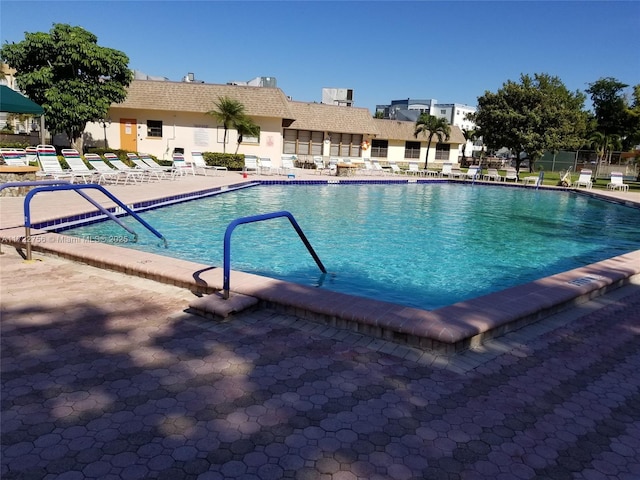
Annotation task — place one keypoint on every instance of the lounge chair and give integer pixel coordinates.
(104, 172)
(15, 157)
(32, 155)
(77, 166)
(129, 173)
(533, 180)
(492, 174)
(472, 173)
(50, 165)
(456, 172)
(446, 170)
(366, 169)
(156, 171)
(431, 173)
(251, 164)
(511, 174)
(180, 166)
(266, 166)
(377, 168)
(319, 163)
(148, 159)
(395, 169)
(200, 165)
(584, 179)
(617, 182)
(287, 166)
(414, 170)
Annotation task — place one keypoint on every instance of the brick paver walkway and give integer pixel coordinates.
(104, 376)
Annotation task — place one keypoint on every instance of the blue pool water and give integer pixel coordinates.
(421, 245)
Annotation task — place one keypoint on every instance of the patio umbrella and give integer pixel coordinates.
(14, 102)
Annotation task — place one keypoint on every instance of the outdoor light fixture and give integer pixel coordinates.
(105, 123)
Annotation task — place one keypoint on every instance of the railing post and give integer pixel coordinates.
(226, 272)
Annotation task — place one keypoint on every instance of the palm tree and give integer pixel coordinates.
(246, 127)
(229, 112)
(429, 126)
(603, 144)
(469, 135)
(599, 143)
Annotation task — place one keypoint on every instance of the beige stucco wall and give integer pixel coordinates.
(395, 153)
(193, 132)
(200, 132)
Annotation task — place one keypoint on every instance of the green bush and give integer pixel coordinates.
(14, 145)
(230, 160)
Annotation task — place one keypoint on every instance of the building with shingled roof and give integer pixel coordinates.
(160, 117)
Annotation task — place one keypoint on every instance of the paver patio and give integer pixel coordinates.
(106, 376)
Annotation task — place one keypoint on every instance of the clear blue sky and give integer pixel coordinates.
(451, 51)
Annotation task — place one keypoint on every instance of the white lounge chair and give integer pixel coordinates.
(287, 166)
(395, 169)
(446, 170)
(617, 182)
(148, 159)
(366, 169)
(181, 167)
(511, 174)
(200, 165)
(251, 164)
(492, 174)
(377, 168)
(15, 157)
(414, 170)
(78, 167)
(148, 170)
(585, 178)
(104, 172)
(266, 166)
(472, 173)
(50, 165)
(320, 167)
(129, 173)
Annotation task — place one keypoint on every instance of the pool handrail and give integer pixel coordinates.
(258, 218)
(78, 189)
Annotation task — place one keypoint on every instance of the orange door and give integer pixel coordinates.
(128, 134)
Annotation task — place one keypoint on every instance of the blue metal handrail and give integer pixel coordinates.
(259, 218)
(540, 179)
(78, 189)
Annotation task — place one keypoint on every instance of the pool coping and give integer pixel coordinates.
(444, 330)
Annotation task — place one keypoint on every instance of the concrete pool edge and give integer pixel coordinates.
(445, 330)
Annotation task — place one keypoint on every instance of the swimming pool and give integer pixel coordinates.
(421, 245)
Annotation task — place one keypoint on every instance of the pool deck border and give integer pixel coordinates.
(446, 330)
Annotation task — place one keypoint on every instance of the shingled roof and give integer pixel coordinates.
(332, 118)
(202, 97)
(399, 130)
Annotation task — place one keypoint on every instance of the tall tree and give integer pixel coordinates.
(533, 115)
(230, 113)
(431, 126)
(610, 107)
(73, 78)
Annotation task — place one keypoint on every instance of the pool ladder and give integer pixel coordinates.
(260, 218)
(57, 185)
